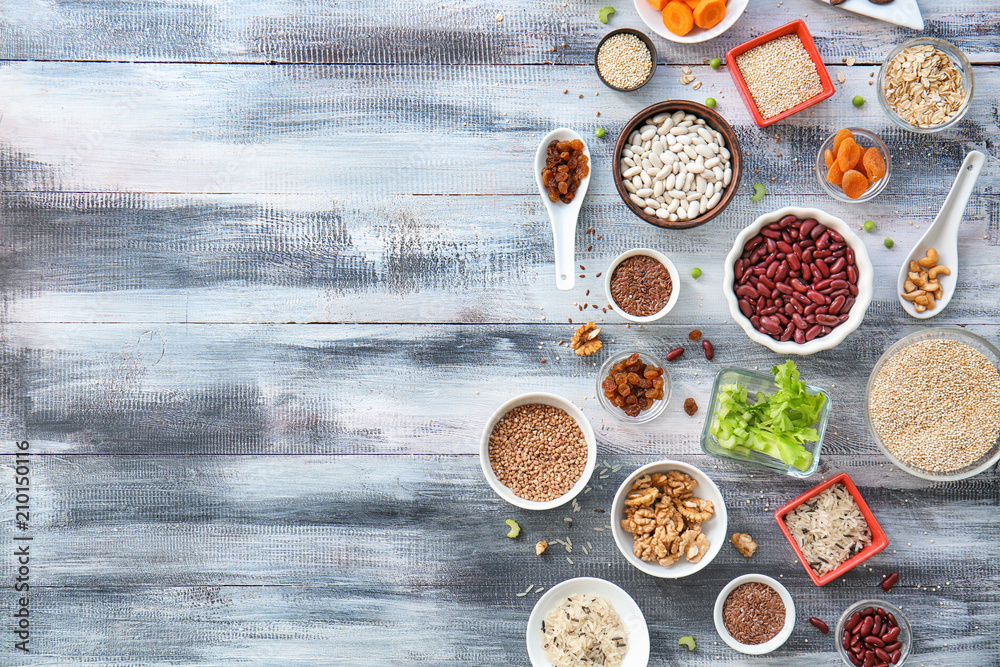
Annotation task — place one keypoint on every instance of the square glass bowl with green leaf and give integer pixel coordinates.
(775, 422)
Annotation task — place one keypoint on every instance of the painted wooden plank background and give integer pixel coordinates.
(267, 268)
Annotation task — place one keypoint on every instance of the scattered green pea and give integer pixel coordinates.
(758, 192)
(515, 529)
(858, 100)
(599, 132)
(710, 103)
(869, 225)
(715, 63)
(888, 242)
(687, 641)
(696, 273)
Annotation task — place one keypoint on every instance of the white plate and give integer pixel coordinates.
(901, 12)
(654, 20)
(638, 634)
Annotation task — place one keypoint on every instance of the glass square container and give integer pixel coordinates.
(755, 382)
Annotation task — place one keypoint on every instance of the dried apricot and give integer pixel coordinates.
(829, 157)
(839, 138)
(849, 154)
(874, 164)
(854, 183)
(835, 175)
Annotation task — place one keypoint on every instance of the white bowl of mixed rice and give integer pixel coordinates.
(578, 612)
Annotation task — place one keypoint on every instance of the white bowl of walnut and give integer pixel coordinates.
(538, 451)
(678, 514)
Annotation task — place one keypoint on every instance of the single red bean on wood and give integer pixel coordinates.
(890, 581)
(709, 350)
(819, 624)
(674, 353)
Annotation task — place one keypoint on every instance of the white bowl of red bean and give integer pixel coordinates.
(536, 452)
(643, 289)
(875, 627)
(798, 280)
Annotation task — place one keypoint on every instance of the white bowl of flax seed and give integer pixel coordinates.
(760, 616)
(642, 285)
(538, 451)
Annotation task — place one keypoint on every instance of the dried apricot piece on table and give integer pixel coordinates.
(874, 164)
(829, 157)
(849, 154)
(835, 175)
(839, 138)
(854, 183)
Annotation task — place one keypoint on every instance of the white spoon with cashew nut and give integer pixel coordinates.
(563, 216)
(938, 248)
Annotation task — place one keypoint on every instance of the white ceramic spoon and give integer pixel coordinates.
(563, 216)
(943, 236)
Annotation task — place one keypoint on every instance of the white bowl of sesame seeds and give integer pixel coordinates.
(538, 451)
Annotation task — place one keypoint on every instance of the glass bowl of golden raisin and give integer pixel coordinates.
(633, 386)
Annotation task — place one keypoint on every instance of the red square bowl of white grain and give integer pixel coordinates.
(774, 78)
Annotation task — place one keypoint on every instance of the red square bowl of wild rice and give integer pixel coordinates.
(831, 529)
(779, 73)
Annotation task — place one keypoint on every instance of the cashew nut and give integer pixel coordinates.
(919, 308)
(930, 301)
(912, 296)
(922, 299)
(940, 268)
(930, 260)
(939, 294)
(909, 286)
(931, 286)
(915, 278)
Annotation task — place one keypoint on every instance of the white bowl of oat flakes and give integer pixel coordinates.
(538, 451)
(669, 519)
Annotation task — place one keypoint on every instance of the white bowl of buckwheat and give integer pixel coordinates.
(669, 519)
(538, 451)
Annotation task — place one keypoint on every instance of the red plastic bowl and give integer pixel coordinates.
(798, 27)
(879, 540)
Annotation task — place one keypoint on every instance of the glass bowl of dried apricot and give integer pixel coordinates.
(853, 165)
(633, 386)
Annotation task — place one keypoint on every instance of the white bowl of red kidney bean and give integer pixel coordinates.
(875, 628)
(798, 280)
(642, 285)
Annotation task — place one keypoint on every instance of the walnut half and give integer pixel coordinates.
(744, 544)
(585, 340)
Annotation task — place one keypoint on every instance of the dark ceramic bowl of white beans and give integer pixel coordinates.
(728, 144)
